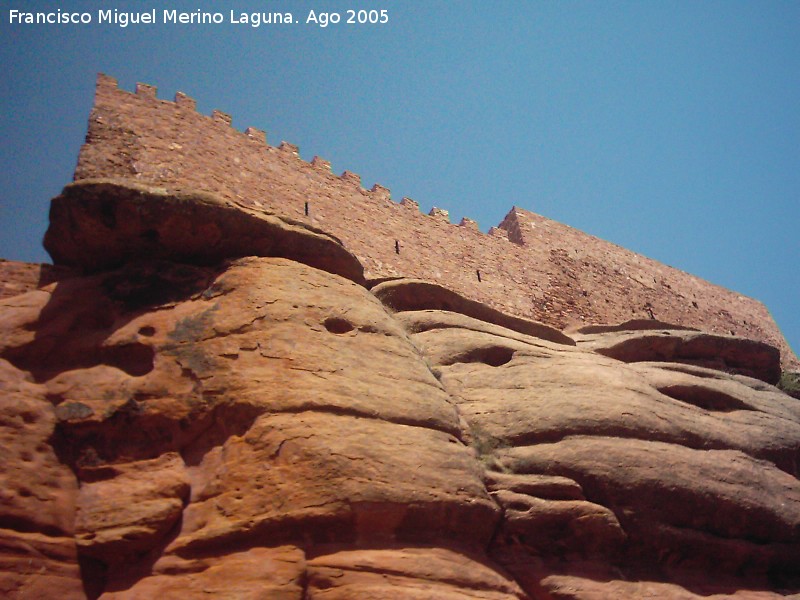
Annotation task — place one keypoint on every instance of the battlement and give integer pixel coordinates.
(527, 265)
(108, 87)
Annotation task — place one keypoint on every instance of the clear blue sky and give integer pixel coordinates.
(670, 128)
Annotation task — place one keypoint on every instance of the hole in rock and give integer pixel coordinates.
(338, 325)
(45, 361)
(151, 235)
(147, 331)
(493, 356)
(134, 359)
(704, 397)
(108, 215)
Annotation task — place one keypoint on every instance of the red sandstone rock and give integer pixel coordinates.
(264, 425)
(713, 509)
(632, 325)
(206, 408)
(541, 486)
(98, 224)
(560, 527)
(662, 464)
(408, 573)
(726, 353)
(18, 277)
(268, 573)
(38, 554)
(37, 565)
(412, 294)
(154, 491)
(589, 582)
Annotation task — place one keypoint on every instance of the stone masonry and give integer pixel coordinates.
(528, 266)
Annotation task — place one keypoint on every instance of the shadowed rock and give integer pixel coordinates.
(724, 352)
(414, 294)
(632, 325)
(100, 224)
(19, 277)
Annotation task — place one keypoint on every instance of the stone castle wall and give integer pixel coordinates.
(529, 265)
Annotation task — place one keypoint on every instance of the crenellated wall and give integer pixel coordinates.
(528, 265)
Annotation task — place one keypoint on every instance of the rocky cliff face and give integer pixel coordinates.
(207, 401)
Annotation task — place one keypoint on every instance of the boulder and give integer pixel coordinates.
(98, 224)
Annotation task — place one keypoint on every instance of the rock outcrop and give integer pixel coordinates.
(413, 294)
(636, 342)
(671, 460)
(246, 419)
(101, 224)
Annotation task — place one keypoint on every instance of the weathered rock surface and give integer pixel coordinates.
(408, 573)
(673, 344)
(250, 406)
(38, 553)
(587, 581)
(255, 573)
(18, 277)
(643, 467)
(155, 492)
(99, 224)
(198, 423)
(415, 294)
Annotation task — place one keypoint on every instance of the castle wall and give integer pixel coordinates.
(529, 265)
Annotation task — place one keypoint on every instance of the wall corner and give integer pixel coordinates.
(511, 224)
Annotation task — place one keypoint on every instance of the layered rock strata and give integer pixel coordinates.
(248, 420)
